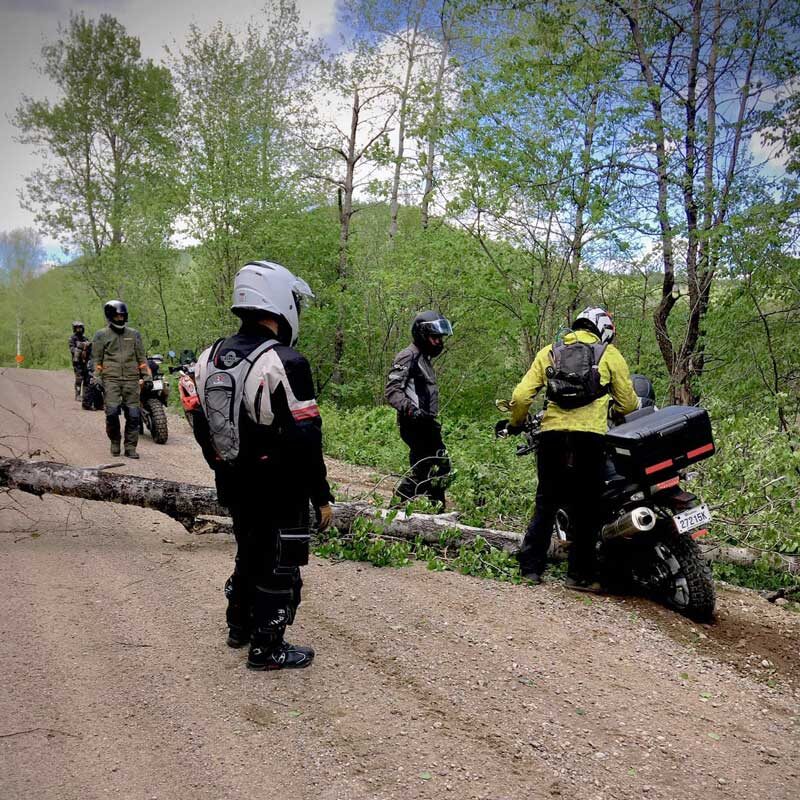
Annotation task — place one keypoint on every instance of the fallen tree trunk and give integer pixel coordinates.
(197, 509)
(181, 501)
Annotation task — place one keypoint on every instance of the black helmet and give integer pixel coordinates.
(187, 357)
(430, 323)
(644, 389)
(78, 324)
(111, 309)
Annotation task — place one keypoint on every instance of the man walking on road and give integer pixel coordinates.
(120, 367)
(78, 343)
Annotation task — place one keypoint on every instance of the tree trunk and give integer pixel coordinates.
(345, 216)
(191, 505)
(435, 123)
(181, 501)
(394, 201)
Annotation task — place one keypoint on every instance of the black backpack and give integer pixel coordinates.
(573, 380)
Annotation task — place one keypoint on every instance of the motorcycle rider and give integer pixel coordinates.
(77, 344)
(412, 390)
(571, 454)
(120, 369)
(260, 430)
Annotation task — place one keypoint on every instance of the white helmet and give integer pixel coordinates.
(597, 321)
(269, 287)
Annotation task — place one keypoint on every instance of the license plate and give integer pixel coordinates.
(158, 386)
(693, 518)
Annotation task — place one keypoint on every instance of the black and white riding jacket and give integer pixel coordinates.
(280, 421)
(412, 383)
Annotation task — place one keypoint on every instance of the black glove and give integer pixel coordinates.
(504, 428)
(419, 414)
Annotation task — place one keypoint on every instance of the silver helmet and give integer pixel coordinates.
(264, 286)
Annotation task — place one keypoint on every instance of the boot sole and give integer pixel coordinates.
(277, 667)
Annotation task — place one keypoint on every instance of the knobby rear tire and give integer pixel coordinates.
(158, 416)
(702, 598)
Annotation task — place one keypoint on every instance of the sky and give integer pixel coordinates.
(26, 25)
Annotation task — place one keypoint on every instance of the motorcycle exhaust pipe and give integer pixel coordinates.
(640, 520)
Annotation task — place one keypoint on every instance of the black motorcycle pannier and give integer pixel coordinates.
(661, 443)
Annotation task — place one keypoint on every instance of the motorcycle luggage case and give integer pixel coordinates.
(661, 443)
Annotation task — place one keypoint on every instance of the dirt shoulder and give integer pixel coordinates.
(117, 680)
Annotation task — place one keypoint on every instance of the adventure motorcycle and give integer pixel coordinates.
(153, 398)
(187, 390)
(648, 524)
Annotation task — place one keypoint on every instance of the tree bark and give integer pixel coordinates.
(192, 506)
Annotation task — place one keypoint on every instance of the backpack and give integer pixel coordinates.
(573, 380)
(221, 396)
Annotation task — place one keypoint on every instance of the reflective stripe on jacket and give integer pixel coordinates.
(592, 418)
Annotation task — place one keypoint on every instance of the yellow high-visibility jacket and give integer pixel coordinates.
(592, 418)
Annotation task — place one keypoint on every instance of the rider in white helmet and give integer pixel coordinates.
(261, 432)
(583, 376)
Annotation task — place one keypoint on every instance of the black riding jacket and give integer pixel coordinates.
(281, 428)
(412, 383)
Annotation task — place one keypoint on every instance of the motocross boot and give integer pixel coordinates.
(282, 656)
(132, 433)
(116, 448)
(237, 615)
(269, 650)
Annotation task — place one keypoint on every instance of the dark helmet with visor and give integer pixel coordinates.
(78, 326)
(114, 308)
(430, 324)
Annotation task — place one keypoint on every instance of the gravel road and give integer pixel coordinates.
(116, 681)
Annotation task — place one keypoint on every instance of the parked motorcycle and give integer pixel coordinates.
(187, 390)
(648, 524)
(153, 397)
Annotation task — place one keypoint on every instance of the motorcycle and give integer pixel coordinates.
(154, 396)
(187, 390)
(649, 525)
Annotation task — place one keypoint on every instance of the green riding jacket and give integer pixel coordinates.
(119, 356)
(591, 418)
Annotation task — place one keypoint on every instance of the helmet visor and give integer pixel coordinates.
(436, 327)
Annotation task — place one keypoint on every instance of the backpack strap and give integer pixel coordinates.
(255, 354)
(599, 349)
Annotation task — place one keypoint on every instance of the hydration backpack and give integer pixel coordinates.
(221, 396)
(573, 380)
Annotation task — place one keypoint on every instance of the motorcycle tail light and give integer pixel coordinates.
(667, 484)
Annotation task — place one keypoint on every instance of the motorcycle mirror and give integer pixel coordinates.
(171, 353)
(154, 343)
(502, 405)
